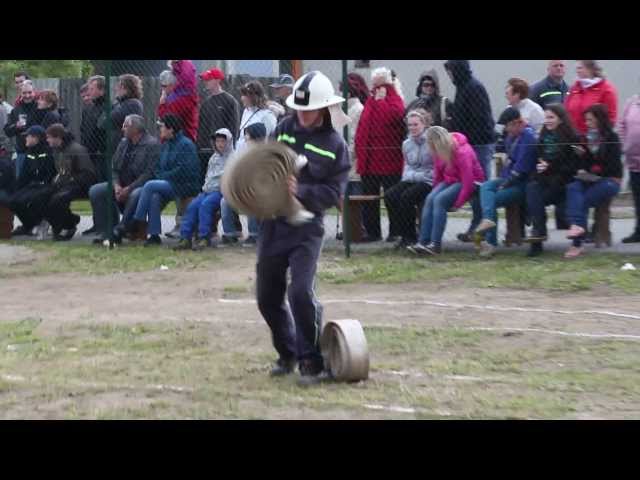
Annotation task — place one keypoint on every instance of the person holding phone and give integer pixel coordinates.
(560, 156)
(599, 181)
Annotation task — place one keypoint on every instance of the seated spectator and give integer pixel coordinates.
(47, 113)
(75, 174)
(202, 208)
(256, 132)
(177, 175)
(7, 181)
(417, 177)
(128, 102)
(510, 188)
(134, 162)
(378, 145)
(429, 97)
(517, 94)
(557, 164)
(456, 173)
(599, 181)
(33, 186)
(629, 130)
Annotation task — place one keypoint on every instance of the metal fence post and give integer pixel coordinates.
(346, 230)
(109, 150)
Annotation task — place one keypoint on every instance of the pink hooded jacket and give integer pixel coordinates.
(464, 168)
(629, 131)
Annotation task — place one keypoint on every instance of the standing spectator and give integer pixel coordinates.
(629, 130)
(177, 176)
(600, 179)
(47, 113)
(128, 102)
(357, 96)
(517, 93)
(76, 173)
(33, 185)
(558, 163)
(455, 176)
(417, 177)
(429, 97)
(180, 96)
(5, 110)
(378, 145)
(219, 110)
(590, 88)
(21, 118)
(92, 135)
(471, 115)
(553, 88)
(133, 165)
(510, 188)
(282, 88)
(19, 79)
(202, 208)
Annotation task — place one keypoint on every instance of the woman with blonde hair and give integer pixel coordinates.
(456, 175)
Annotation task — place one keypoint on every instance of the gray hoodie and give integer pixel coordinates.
(216, 164)
(418, 164)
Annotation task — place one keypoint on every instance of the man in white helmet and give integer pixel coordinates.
(310, 132)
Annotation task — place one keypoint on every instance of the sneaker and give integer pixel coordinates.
(283, 367)
(153, 240)
(250, 241)
(485, 225)
(183, 244)
(418, 249)
(576, 231)
(65, 234)
(21, 230)
(229, 240)
(403, 243)
(633, 238)
(433, 249)
(98, 240)
(465, 237)
(90, 231)
(202, 244)
(175, 233)
(487, 250)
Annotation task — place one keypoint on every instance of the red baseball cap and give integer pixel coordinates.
(212, 74)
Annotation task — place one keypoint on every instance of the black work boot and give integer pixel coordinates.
(283, 367)
(312, 372)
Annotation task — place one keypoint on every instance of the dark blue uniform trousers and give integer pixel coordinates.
(280, 248)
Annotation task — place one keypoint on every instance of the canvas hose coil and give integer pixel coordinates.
(255, 183)
(345, 351)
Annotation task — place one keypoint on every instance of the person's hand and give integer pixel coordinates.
(292, 183)
(542, 166)
(579, 149)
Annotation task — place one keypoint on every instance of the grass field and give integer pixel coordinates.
(427, 363)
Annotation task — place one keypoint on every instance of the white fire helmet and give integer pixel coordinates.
(313, 91)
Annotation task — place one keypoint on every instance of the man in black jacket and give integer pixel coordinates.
(20, 119)
(76, 173)
(552, 88)
(92, 136)
(133, 164)
(471, 115)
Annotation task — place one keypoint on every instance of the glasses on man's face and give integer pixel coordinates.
(428, 85)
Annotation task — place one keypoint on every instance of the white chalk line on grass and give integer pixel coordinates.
(487, 307)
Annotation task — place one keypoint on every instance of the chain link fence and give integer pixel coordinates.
(141, 175)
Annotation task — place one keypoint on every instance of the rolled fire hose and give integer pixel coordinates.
(345, 351)
(255, 183)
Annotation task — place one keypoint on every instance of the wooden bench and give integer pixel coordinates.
(514, 225)
(355, 227)
(602, 234)
(6, 222)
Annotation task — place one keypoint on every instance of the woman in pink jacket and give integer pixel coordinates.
(456, 175)
(629, 131)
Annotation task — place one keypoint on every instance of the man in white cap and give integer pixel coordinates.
(282, 88)
(311, 133)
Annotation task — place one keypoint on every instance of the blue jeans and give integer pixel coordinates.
(228, 215)
(201, 210)
(539, 195)
(154, 197)
(434, 212)
(581, 196)
(485, 157)
(491, 198)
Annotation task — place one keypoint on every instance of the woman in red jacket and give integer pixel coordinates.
(378, 145)
(590, 88)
